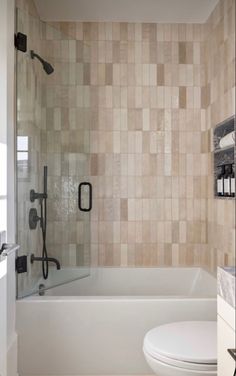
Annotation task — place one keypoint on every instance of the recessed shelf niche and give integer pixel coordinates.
(224, 156)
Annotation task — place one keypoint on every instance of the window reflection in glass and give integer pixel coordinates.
(3, 187)
(23, 157)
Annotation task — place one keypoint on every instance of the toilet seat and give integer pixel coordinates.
(182, 365)
(164, 369)
(190, 345)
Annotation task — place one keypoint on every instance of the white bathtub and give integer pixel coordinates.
(96, 325)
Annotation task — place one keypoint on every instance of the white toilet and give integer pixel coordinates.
(186, 348)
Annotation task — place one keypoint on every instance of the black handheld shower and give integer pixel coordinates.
(46, 66)
(34, 218)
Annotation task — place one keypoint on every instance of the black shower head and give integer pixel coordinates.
(46, 66)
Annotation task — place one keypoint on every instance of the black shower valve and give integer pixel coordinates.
(33, 218)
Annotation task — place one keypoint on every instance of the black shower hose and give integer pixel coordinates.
(43, 206)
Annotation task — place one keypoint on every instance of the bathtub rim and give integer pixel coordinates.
(101, 298)
(95, 271)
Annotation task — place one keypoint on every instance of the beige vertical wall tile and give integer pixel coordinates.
(140, 101)
(160, 75)
(215, 98)
(182, 97)
(182, 53)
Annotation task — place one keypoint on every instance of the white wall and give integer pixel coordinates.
(3, 113)
(3, 318)
(11, 314)
(7, 11)
(3, 70)
(11, 213)
(3, 141)
(8, 336)
(8, 340)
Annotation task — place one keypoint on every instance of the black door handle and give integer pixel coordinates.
(89, 185)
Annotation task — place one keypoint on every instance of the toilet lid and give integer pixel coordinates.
(188, 341)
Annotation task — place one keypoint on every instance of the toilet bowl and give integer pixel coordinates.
(182, 349)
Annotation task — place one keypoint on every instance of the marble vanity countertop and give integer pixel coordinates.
(3, 266)
(226, 278)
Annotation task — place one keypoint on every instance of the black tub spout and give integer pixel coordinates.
(48, 259)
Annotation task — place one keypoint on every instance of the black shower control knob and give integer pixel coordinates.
(33, 218)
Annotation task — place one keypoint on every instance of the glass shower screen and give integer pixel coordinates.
(52, 135)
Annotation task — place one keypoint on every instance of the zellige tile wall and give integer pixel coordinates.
(128, 98)
(131, 108)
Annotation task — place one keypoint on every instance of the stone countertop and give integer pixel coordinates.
(3, 266)
(226, 277)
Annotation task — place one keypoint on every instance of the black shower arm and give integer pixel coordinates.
(33, 55)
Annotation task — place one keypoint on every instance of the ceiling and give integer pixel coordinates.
(163, 11)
